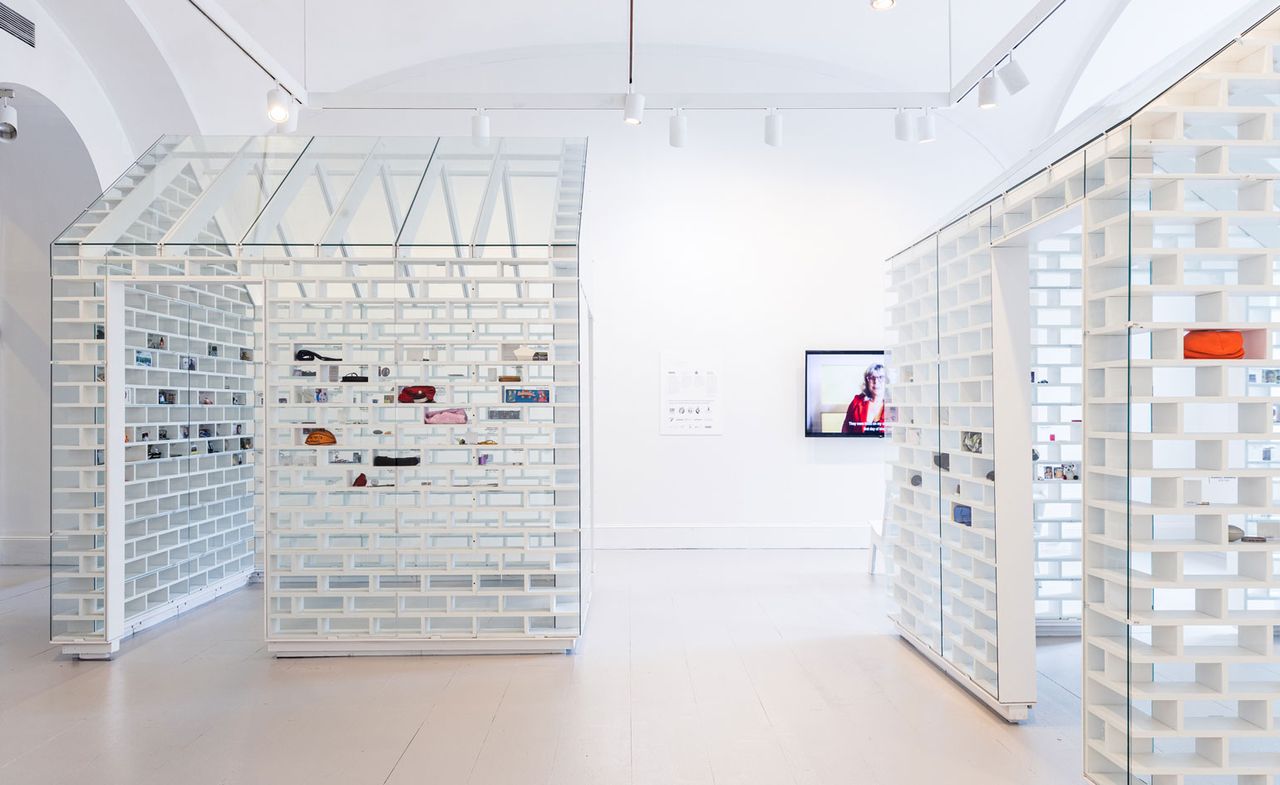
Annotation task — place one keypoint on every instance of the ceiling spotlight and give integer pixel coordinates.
(277, 105)
(882, 5)
(289, 126)
(926, 127)
(633, 113)
(678, 130)
(8, 118)
(988, 92)
(773, 128)
(1013, 77)
(480, 128)
(903, 129)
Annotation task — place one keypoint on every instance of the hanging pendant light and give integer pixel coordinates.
(988, 92)
(633, 108)
(480, 128)
(773, 128)
(1013, 77)
(903, 129)
(277, 105)
(926, 127)
(678, 129)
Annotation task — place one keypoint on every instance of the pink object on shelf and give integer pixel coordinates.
(445, 417)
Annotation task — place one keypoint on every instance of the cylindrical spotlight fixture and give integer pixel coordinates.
(633, 108)
(1013, 77)
(926, 127)
(278, 109)
(903, 129)
(289, 126)
(8, 121)
(773, 128)
(480, 128)
(988, 92)
(678, 129)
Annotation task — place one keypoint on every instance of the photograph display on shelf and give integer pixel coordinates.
(847, 393)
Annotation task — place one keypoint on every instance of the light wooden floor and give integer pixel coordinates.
(718, 667)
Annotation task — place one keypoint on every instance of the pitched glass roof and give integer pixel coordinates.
(231, 195)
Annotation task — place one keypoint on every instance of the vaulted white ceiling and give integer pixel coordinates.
(359, 51)
(813, 44)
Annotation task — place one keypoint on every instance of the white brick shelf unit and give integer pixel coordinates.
(1167, 224)
(1182, 672)
(414, 261)
(1058, 430)
(961, 540)
(187, 496)
(913, 525)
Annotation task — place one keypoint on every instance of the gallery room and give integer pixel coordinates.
(836, 391)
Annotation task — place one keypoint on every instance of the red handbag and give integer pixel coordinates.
(426, 394)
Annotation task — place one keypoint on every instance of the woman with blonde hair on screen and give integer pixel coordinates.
(866, 411)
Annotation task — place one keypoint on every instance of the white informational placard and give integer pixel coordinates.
(690, 400)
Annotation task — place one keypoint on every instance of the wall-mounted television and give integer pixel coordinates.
(846, 393)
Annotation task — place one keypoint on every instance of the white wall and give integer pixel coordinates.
(753, 255)
(750, 253)
(55, 69)
(85, 111)
(46, 178)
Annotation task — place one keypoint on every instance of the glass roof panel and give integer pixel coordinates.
(345, 192)
(340, 196)
(305, 202)
(144, 205)
(231, 202)
(508, 193)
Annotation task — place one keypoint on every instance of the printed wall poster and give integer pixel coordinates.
(690, 401)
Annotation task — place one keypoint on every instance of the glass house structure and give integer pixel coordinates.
(364, 354)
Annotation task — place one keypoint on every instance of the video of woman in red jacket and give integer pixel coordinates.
(846, 393)
(866, 412)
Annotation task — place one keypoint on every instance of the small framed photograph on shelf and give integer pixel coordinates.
(155, 341)
(167, 397)
(246, 354)
(971, 441)
(145, 359)
(213, 350)
(186, 363)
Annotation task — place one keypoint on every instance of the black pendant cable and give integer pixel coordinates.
(633, 103)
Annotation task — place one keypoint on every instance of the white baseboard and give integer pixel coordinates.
(24, 550)
(686, 536)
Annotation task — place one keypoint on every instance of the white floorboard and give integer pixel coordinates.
(716, 667)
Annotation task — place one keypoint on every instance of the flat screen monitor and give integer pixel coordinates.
(846, 393)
